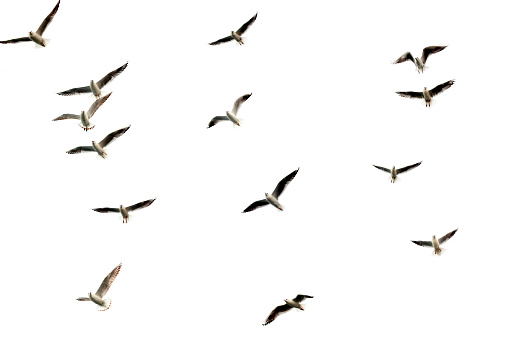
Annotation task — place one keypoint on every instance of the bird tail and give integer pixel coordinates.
(439, 253)
(104, 308)
(46, 42)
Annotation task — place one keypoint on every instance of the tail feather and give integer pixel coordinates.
(104, 308)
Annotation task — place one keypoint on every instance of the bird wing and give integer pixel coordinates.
(447, 237)
(95, 106)
(412, 95)
(245, 26)
(81, 149)
(67, 116)
(440, 88)
(301, 297)
(405, 57)
(107, 210)
(217, 119)
(423, 243)
(426, 52)
(112, 136)
(256, 205)
(15, 41)
(238, 102)
(83, 299)
(48, 19)
(407, 168)
(277, 311)
(283, 183)
(383, 168)
(77, 90)
(140, 205)
(223, 40)
(111, 75)
(105, 286)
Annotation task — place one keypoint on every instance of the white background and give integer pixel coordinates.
(323, 100)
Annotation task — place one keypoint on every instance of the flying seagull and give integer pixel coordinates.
(95, 87)
(427, 95)
(435, 243)
(84, 117)
(233, 115)
(97, 298)
(37, 36)
(290, 303)
(420, 63)
(272, 198)
(394, 172)
(125, 210)
(99, 147)
(236, 35)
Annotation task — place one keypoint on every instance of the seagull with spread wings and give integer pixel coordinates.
(37, 36)
(289, 304)
(427, 95)
(85, 117)
(233, 115)
(99, 147)
(125, 210)
(236, 35)
(420, 63)
(273, 198)
(95, 87)
(394, 172)
(97, 298)
(435, 243)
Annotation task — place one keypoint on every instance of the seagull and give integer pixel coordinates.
(84, 117)
(99, 147)
(427, 95)
(290, 303)
(233, 115)
(272, 198)
(394, 172)
(236, 35)
(125, 210)
(95, 87)
(420, 63)
(435, 243)
(37, 36)
(97, 298)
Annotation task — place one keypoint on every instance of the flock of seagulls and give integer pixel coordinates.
(270, 199)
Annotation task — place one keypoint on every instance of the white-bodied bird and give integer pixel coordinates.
(420, 63)
(97, 298)
(427, 95)
(233, 115)
(85, 117)
(435, 243)
(289, 304)
(99, 147)
(236, 35)
(125, 210)
(394, 172)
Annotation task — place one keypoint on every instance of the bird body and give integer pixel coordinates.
(273, 201)
(95, 89)
(38, 39)
(125, 214)
(233, 118)
(237, 38)
(85, 121)
(99, 149)
(294, 304)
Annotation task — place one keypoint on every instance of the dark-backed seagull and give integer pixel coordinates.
(236, 35)
(85, 117)
(233, 115)
(97, 298)
(435, 243)
(420, 63)
(99, 147)
(95, 87)
(37, 36)
(290, 303)
(273, 198)
(427, 95)
(125, 210)
(394, 172)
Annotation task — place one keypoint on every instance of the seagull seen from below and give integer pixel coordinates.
(37, 36)
(233, 115)
(125, 210)
(427, 95)
(273, 198)
(435, 243)
(237, 36)
(85, 117)
(99, 147)
(394, 172)
(97, 298)
(95, 87)
(289, 304)
(420, 63)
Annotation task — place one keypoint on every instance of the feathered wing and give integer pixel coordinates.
(48, 19)
(447, 237)
(111, 75)
(81, 149)
(221, 41)
(217, 119)
(67, 116)
(95, 106)
(283, 183)
(276, 312)
(140, 205)
(426, 52)
(383, 169)
(15, 41)
(301, 297)
(440, 88)
(405, 57)
(83, 299)
(106, 284)
(77, 90)
(407, 168)
(112, 136)
(238, 102)
(256, 205)
(245, 26)
(107, 210)
(412, 95)
(423, 243)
